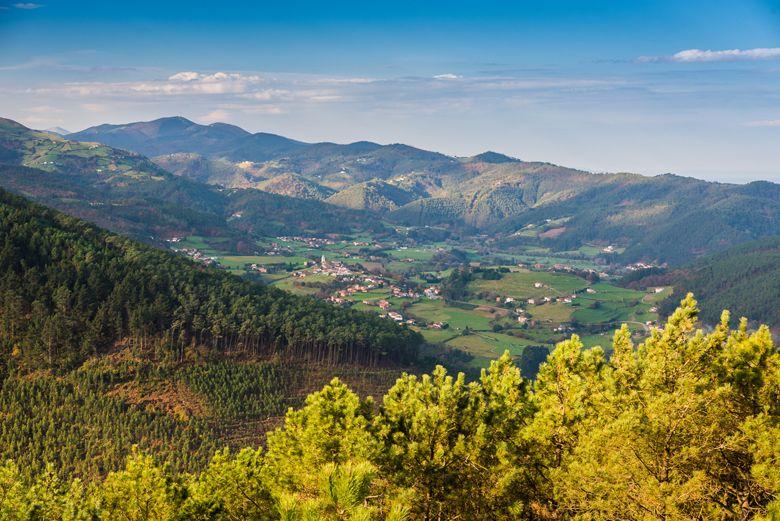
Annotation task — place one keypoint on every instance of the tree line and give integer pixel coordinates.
(685, 425)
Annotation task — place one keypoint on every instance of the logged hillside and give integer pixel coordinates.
(744, 279)
(108, 343)
(71, 290)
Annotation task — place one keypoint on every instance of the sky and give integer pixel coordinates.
(689, 87)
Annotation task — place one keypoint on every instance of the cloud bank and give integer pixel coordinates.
(763, 123)
(729, 55)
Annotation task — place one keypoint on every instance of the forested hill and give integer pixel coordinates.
(744, 279)
(69, 289)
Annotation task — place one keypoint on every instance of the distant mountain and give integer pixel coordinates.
(329, 164)
(372, 195)
(260, 147)
(164, 136)
(58, 130)
(494, 157)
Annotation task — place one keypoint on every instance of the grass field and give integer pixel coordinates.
(520, 284)
(196, 242)
(238, 261)
(438, 336)
(554, 312)
(458, 319)
(418, 254)
(485, 347)
(288, 283)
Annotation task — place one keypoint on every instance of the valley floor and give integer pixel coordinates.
(522, 301)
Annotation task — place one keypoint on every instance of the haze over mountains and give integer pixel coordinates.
(665, 218)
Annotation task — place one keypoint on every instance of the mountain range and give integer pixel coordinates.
(665, 218)
(220, 180)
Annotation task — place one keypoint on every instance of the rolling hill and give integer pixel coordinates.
(293, 185)
(215, 171)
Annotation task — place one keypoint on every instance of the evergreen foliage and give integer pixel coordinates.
(683, 426)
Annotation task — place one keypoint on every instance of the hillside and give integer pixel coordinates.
(293, 185)
(110, 343)
(744, 279)
(663, 219)
(215, 171)
(150, 293)
(378, 196)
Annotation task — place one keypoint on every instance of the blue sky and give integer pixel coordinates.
(690, 87)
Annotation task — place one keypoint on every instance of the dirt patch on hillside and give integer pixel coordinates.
(173, 398)
(552, 233)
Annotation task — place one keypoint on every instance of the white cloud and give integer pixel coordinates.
(253, 109)
(763, 123)
(215, 116)
(27, 5)
(184, 76)
(181, 83)
(268, 94)
(698, 55)
(237, 94)
(342, 81)
(448, 76)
